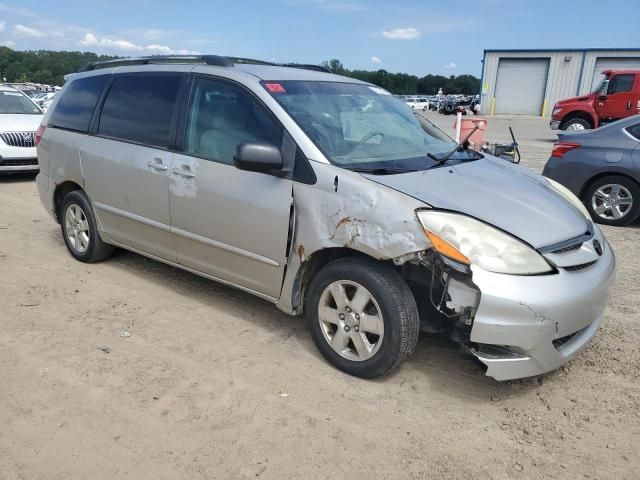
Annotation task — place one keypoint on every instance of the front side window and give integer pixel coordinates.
(621, 83)
(140, 108)
(17, 103)
(360, 126)
(75, 108)
(223, 115)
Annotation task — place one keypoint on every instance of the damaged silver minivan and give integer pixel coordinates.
(330, 198)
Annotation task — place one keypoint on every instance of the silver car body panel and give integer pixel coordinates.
(244, 243)
(244, 237)
(510, 197)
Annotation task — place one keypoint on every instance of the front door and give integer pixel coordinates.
(126, 166)
(228, 223)
(620, 101)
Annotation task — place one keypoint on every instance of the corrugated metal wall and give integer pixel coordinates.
(566, 78)
(590, 63)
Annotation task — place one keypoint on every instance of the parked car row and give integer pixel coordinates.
(44, 99)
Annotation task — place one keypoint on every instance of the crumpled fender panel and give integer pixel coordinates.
(344, 209)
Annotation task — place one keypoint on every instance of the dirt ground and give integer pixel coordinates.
(212, 383)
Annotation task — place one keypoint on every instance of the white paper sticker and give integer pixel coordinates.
(13, 94)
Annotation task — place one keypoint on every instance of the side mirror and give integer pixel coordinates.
(258, 157)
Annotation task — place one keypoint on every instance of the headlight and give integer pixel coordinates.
(569, 197)
(556, 110)
(470, 241)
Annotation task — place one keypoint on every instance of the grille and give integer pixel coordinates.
(18, 139)
(575, 268)
(18, 162)
(570, 248)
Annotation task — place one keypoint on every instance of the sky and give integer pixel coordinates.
(412, 36)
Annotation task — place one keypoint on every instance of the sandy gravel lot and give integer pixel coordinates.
(215, 384)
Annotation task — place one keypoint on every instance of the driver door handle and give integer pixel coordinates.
(183, 173)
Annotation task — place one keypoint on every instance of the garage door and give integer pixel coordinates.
(604, 63)
(521, 85)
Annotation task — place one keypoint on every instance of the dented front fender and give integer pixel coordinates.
(343, 209)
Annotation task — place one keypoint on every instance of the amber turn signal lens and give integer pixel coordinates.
(445, 248)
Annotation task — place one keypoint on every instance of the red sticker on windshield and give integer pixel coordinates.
(275, 88)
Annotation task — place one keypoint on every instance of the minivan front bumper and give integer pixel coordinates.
(529, 325)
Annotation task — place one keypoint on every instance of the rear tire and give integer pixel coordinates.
(80, 231)
(574, 124)
(362, 316)
(613, 200)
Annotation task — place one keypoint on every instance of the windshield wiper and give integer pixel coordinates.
(381, 170)
(442, 160)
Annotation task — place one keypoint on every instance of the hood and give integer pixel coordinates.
(583, 98)
(19, 122)
(507, 196)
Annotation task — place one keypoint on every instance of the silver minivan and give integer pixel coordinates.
(330, 198)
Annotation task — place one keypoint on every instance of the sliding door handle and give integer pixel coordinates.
(183, 173)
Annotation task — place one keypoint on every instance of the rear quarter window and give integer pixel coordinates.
(634, 130)
(77, 103)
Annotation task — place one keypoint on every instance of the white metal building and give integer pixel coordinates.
(529, 82)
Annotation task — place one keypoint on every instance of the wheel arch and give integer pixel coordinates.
(598, 176)
(312, 264)
(589, 117)
(61, 191)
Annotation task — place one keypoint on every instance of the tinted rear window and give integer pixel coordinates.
(75, 108)
(139, 108)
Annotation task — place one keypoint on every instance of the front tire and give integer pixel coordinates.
(613, 200)
(80, 231)
(576, 124)
(362, 316)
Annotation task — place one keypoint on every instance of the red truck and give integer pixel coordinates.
(618, 96)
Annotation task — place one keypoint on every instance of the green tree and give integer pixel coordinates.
(405, 84)
(42, 66)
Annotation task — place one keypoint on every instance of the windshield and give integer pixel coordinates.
(364, 127)
(600, 86)
(15, 102)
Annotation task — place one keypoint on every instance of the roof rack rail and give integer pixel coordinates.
(154, 59)
(216, 60)
(251, 61)
(303, 66)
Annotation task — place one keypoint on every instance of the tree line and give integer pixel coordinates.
(42, 66)
(49, 67)
(405, 84)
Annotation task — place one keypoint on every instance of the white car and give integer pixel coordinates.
(20, 117)
(418, 103)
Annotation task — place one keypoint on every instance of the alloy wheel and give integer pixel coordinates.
(351, 320)
(77, 228)
(612, 201)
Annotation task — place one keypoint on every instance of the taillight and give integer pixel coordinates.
(39, 134)
(561, 148)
